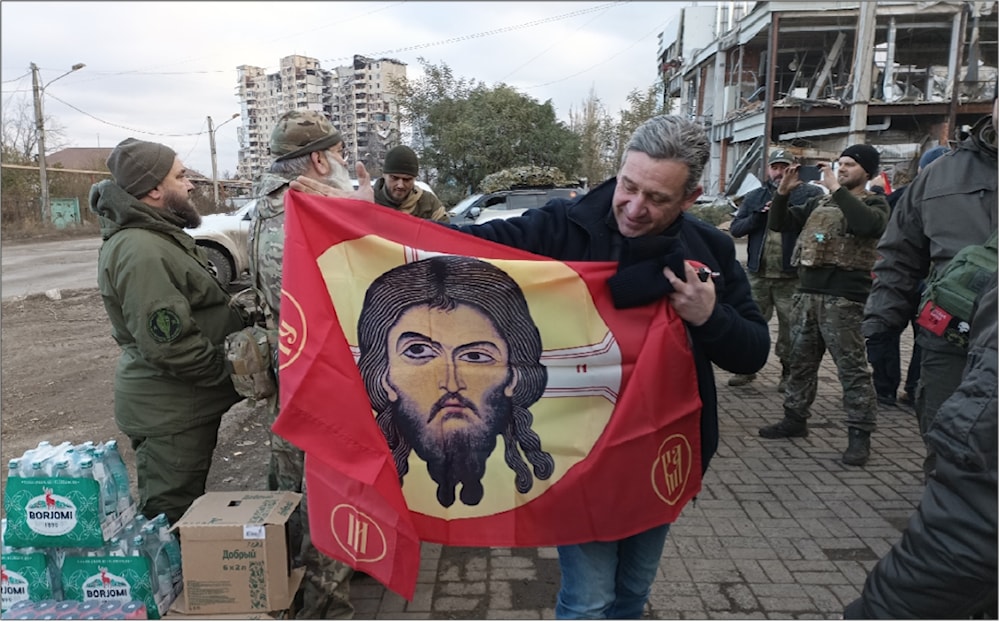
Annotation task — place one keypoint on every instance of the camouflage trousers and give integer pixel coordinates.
(824, 323)
(774, 295)
(326, 588)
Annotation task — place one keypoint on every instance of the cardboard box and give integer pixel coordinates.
(176, 611)
(234, 553)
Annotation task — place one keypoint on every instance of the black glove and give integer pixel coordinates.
(640, 280)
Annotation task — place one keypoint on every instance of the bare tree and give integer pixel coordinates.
(19, 140)
(595, 128)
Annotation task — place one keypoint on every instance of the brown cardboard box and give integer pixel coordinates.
(176, 613)
(234, 553)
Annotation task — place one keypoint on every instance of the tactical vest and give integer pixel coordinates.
(824, 241)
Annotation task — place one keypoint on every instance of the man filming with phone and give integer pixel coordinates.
(834, 254)
(769, 255)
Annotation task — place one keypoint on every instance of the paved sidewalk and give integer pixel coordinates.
(781, 528)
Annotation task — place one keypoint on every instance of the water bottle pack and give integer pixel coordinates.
(67, 495)
(141, 563)
(72, 532)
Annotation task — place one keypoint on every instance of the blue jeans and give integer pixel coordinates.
(609, 579)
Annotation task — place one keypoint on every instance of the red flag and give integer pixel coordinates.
(520, 407)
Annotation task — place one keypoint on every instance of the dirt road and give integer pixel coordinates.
(58, 362)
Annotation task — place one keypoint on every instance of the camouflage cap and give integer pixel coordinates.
(781, 156)
(299, 132)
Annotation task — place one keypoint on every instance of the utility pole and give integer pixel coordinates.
(863, 60)
(36, 89)
(211, 146)
(215, 168)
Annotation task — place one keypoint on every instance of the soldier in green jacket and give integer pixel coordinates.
(834, 253)
(170, 317)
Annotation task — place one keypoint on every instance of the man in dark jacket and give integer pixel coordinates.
(637, 220)
(397, 187)
(769, 256)
(170, 317)
(945, 564)
(951, 205)
(658, 180)
(883, 348)
(834, 253)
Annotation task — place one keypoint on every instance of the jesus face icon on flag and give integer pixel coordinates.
(451, 358)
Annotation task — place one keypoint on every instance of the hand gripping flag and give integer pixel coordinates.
(449, 389)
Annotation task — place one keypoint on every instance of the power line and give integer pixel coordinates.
(546, 50)
(123, 127)
(23, 75)
(487, 33)
(606, 60)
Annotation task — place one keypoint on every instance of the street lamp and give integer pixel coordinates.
(211, 144)
(39, 92)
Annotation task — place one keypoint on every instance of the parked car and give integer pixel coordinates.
(480, 208)
(224, 238)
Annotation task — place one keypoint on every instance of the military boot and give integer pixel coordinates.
(788, 427)
(738, 380)
(858, 447)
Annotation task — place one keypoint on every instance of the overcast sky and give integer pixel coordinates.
(156, 70)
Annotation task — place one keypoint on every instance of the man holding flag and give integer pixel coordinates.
(663, 256)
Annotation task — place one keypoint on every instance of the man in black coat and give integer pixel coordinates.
(945, 564)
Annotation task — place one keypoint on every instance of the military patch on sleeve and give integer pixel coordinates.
(164, 325)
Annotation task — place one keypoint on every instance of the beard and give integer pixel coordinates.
(181, 206)
(456, 456)
(339, 176)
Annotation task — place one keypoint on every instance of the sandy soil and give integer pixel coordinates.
(58, 362)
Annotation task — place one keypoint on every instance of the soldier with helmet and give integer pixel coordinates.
(303, 143)
(834, 253)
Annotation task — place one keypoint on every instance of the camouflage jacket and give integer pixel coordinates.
(266, 241)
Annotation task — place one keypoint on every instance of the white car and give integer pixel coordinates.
(224, 238)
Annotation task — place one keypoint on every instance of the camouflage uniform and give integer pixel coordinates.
(325, 591)
(834, 254)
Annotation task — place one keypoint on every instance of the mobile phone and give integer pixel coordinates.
(809, 172)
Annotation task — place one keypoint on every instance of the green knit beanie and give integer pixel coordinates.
(139, 166)
(401, 160)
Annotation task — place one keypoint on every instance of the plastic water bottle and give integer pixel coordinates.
(13, 468)
(172, 546)
(62, 469)
(161, 561)
(109, 488)
(107, 493)
(119, 471)
(53, 565)
(139, 549)
(117, 548)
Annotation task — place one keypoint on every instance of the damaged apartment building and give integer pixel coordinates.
(816, 77)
